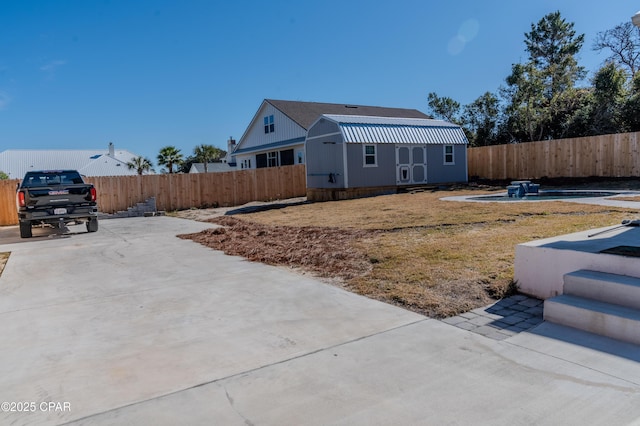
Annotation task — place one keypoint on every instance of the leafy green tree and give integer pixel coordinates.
(170, 156)
(609, 95)
(140, 165)
(3, 175)
(536, 92)
(527, 110)
(207, 154)
(480, 120)
(444, 108)
(623, 43)
(631, 107)
(540, 100)
(552, 45)
(185, 166)
(571, 113)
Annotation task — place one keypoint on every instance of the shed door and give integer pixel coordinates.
(411, 164)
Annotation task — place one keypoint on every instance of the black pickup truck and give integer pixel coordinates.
(55, 198)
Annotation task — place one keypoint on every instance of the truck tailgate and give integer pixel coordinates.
(58, 195)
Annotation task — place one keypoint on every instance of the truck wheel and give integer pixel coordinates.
(92, 225)
(25, 229)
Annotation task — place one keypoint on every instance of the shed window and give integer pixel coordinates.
(448, 155)
(370, 157)
(268, 124)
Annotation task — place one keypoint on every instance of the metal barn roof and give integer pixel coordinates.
(366, 129)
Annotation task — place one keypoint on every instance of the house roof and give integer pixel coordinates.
(360, 129)
(211, 168)
(306, 113)
(97, 162)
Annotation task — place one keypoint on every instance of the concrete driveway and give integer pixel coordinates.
(131, 325)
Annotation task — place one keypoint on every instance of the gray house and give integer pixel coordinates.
(350, 156)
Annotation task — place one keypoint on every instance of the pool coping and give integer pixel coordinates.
(608, 200)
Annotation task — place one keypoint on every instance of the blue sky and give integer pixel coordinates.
(143, 74)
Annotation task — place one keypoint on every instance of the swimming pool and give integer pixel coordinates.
(548, 195)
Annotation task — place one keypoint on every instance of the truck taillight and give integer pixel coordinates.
(94, 194)
(21, 200)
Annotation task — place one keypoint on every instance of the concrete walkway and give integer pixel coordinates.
(132, 325)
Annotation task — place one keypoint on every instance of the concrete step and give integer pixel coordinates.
(606, 319)
(604, 287)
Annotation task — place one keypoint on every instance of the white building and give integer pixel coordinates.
(96, 162)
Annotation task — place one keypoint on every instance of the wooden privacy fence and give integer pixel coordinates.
(182, 191)
(616, 155)
(8, 206)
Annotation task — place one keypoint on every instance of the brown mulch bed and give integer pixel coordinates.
(327, 252)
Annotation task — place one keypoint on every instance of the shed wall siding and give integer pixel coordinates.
(438, 172)
(327, 158)
(382, 175)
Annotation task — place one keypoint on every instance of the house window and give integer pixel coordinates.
(448, 154)
(246, 164)
(261, 161)
(286, 157)
(272, 159)
(370, 157)
(268, 124)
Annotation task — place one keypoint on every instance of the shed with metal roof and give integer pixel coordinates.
(350, 156)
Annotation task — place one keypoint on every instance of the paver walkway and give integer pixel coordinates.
(502, 319)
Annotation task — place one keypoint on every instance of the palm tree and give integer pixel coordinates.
(140, 164)
(206, 154)
(170, 156)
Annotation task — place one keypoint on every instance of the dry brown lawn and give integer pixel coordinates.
(431, 256)
(632, 198)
